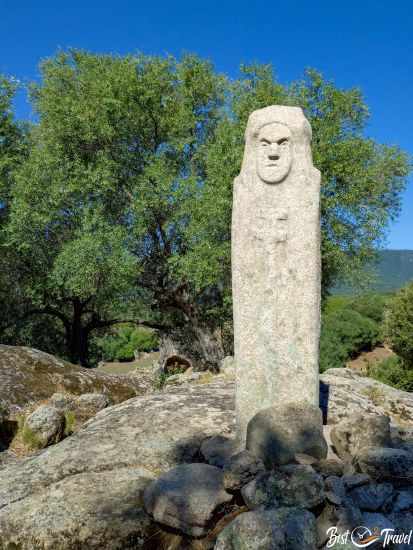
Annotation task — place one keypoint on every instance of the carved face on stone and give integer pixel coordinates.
(273, 152)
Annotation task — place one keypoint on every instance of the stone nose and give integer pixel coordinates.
(273, 152)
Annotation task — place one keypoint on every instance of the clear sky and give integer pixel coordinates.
(363, 43)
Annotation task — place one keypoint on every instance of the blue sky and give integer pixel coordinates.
(364, 43)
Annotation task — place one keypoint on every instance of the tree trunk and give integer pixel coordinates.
(78, 338)
(196, 343)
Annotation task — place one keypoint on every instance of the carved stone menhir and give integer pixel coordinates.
(276, 265)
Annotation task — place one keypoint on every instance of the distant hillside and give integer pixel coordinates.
(394, 270)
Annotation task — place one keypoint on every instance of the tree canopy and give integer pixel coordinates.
(121, 209)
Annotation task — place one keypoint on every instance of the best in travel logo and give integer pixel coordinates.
(363, 537)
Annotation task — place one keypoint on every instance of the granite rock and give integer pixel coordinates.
(46, 425)
(372, 497)
(186, 497)
(93, 510)
(292, 485)
(363, 430)
(272, 529)
(241, 469)
(277, 434)
(385, 464)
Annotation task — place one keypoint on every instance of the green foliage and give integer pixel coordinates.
(70, 423)
(344, 334)
(26, 434)
(392, 371)
(126, 340)
(121, 210)
(112, 160)
(370, 305)
(398, 324)
(335, 303)
(361, 180)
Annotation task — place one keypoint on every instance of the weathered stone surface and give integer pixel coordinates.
(329, 467)
(363, 430)
(277, 434)
(335, 490)
(217, 450)
(62, 401)
(276, 265)
(395, 465)
(274, 529)
(46, 425)
(184, 378)
(355, 480)
(94, 511)
(375, 521)
(186, 497)
(404, 500)
(28, 375)
(292, 485)
(342, 518)
(344, 393)
(372, 497)
(4, 412)
(154, 432)
(227, 366)
(241, 469)
(403, 522)
(93, 402)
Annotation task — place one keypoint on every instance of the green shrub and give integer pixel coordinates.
(70, 423)
(370, 305)
(344, 334)
(336, 302)
(392, 371)
(398, 324)
(127, 339)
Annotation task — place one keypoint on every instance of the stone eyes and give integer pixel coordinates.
(281, 143)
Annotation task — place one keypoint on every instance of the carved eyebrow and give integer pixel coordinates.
(282, 140)
(263, 140)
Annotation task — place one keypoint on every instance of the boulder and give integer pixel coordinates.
(364, 430)
(28, 376)
(241, 469)
(154, 432)
(277, 434)
(376, 522)
(292, 485)
(403, 522)
(184, 378)
(273, 529)
(186, 498)
(335, 490)
(344, 393)
(62, 401)
(218, 450)
(355, 480)
(383, 464)
(94, 510)
(89, 404)
(403, 501)
(43, 427)
(329, 467)
(341, 519)
(372, 497)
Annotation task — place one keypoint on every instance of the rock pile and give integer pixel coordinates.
(167, 464)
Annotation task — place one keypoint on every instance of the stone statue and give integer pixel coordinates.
(276, 265)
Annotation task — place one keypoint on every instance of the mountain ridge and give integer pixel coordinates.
(394, 269)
